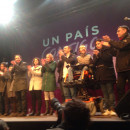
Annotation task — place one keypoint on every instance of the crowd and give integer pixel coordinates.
(14, 79)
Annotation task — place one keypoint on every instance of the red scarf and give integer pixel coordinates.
(120, 38)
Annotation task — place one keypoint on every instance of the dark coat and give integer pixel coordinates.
(72, 60)
(19, 72)
(9, 84)
(2, 83)
(49, 80)
(123, 54)
(103, 63)
(60, 65)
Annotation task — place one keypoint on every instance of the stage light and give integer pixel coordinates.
(6, 10)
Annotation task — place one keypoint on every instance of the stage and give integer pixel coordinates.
(98, 122)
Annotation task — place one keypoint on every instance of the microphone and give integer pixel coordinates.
(126, 19)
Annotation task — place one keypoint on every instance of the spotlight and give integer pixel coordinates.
(6, 11)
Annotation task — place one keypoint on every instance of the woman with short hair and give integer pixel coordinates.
(49, 80)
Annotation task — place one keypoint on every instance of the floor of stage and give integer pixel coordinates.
(45, 122)
(97, 117)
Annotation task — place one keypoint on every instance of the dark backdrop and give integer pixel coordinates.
(42, 26)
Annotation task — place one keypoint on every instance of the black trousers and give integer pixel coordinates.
(121, 82)
(2, 109)
(36, 96)
(21, 101)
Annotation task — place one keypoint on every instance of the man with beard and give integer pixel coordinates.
(20, 84)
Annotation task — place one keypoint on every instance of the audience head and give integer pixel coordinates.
(76, 115)
(3, 125)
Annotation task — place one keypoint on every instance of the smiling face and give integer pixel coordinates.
(36, 61)
(18, 59)
(82, 49)
(120, 32)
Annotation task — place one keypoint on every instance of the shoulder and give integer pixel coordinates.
(88, 55)
(53, 63)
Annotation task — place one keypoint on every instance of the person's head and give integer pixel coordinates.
(17, 58)
(76, 115)
(3, 125)
(36, 61)
(67, 49)
(82, 49)
(49, 57)
(10, 68)
(122, 30)
(3, 65)
(99, 44)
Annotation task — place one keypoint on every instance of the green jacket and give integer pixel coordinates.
(49, 80)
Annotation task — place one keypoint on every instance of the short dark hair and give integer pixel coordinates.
(76, 115)
(125, 26)
(17, 55)
(99, 40)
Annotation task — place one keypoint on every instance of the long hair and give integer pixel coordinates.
(37, 59)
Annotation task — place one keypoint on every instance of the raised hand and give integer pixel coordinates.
(13, 62)
(96, 52)
(43, 61)
(106, 38)
(29, 67)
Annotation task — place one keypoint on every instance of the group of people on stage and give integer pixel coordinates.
(14, 85)
(14, 81)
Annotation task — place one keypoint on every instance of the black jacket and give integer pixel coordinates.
(60, 65)
(20, 76)
(123, 54)
(72, 60)
(103, 63)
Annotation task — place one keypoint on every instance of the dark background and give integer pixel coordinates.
(35, 20)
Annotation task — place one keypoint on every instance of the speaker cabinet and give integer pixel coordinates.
(123, 107)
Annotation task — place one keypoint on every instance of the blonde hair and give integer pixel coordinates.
(51, 56)
(82, 46)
